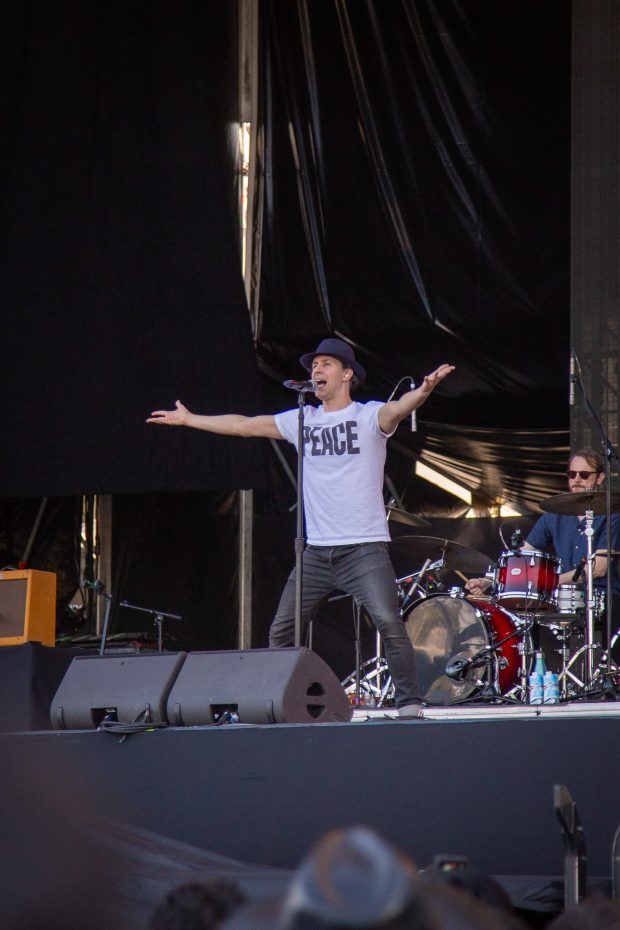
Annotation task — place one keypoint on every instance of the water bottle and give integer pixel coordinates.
(536, 689)
(551, 688)
(539, 665)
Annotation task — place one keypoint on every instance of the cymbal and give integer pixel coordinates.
(575, 503)
(409, 553)
(403, 516)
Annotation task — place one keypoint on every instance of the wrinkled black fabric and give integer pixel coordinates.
(119, 256)
(417, 196)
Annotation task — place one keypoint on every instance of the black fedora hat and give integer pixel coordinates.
(339, 349)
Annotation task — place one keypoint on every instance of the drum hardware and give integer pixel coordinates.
(526, 579)
(415, 581)
(570, 599)
(526, 654)
(370, 684)
(575, 503)
(445, 629)
(375, 684)
(566, 675)
(487, 657)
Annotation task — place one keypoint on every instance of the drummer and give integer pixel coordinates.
(566, 534)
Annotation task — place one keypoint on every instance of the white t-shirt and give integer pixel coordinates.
(344, 459)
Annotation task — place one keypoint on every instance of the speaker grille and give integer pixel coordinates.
(13, 607)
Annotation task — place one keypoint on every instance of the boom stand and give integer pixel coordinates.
(299, 535)
(106, 621)
(159, 616)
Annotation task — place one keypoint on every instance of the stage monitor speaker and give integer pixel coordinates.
(259, 686)
(123, 688)
(27, 608)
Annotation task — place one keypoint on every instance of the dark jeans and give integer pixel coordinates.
(365, 571)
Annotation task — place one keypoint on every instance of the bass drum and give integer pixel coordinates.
(443, 628)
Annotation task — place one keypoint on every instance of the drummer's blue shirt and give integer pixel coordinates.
(565, 534)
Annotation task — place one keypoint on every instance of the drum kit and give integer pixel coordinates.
(483, 648)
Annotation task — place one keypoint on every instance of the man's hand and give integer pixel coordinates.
(431, 381)
(177, 417)
(478, 587)
(394, 411)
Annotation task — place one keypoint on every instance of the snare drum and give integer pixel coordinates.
(570, 599)
(526, 579)
(443, 628)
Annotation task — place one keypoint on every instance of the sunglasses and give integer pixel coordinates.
(584, 475)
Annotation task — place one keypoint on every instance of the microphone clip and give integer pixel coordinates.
(516, 540)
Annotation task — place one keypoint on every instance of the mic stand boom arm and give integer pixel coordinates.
(159, 616)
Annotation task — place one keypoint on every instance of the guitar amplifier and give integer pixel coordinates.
(27, 608)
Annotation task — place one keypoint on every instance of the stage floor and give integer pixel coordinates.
(479, 711)
(476, 781)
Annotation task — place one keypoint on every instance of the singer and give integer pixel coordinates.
(565, 534)
(346, 526)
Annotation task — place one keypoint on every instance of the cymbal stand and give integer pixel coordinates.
(590, 604)
(590, 643)
(567, 662)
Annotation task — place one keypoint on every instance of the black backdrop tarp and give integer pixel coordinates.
(416, 196)
(119, 259)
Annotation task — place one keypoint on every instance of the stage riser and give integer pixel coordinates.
(264, 794)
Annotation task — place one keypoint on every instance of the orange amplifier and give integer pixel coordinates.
(27, 607)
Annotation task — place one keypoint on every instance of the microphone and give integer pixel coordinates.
(302, 387)
(458, 666)
(96, 585)
(516, 540)
(414, 422)
(571, 380)
(579, 571)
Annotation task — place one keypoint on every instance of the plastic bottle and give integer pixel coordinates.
(551, 688)
(539, 665)
(536, 689)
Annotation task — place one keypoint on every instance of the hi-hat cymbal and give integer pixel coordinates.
(409, 553)
(574, 503)
(403, 516)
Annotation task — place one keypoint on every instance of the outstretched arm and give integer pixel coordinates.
(228, 424)
(394, 411)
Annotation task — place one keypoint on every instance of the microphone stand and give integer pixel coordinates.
(488, 655)
(299, 534)
(159, 616)
(609, 453)
(99, 588)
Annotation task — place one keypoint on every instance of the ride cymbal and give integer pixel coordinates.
(574, 503)
(408, 554)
